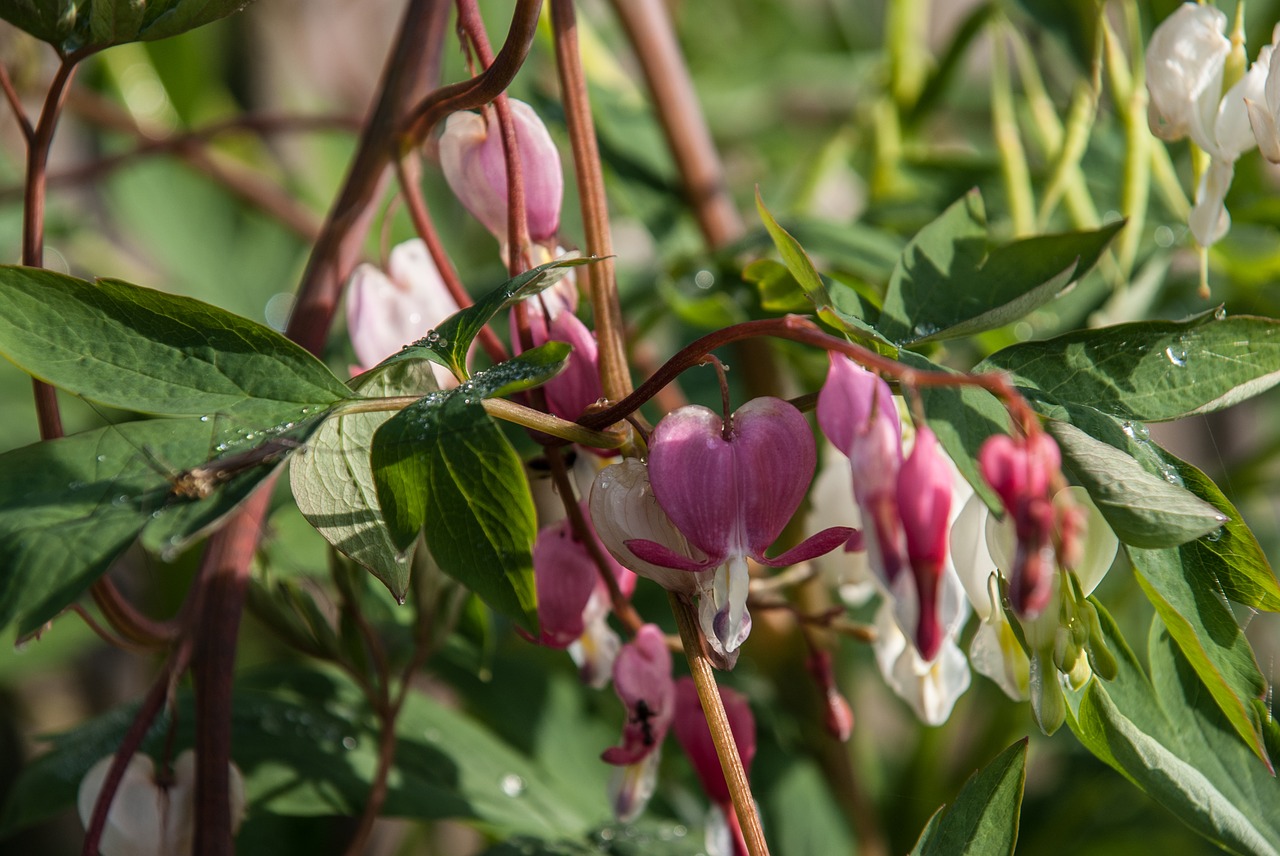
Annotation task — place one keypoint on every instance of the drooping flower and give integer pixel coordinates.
(1264, 113)
(930, 687)
(1064, 637)
(571, 392)
(151, 814)
(695, 738)
(857, 414)
(1020, 472)
(642, 680)
(386, 311)
(1187, 66)
(730, 490)
(474, 164)
(573, 601)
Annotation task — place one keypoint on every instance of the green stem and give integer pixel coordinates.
(1008, 139)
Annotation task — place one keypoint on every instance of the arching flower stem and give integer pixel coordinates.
(797, 328)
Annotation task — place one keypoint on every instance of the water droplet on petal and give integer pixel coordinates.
(1214, 536)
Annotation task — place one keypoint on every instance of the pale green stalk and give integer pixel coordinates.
(1129, 85)
(1013, 158)
(906, 30)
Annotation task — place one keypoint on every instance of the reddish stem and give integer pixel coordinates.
(615, 379)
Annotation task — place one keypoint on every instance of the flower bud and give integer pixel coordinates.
(474, 164)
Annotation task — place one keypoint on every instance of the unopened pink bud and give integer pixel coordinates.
(571, 392)
(474, 164)
(642, 680)
(838, 716)
(566, 576)
(924, 504)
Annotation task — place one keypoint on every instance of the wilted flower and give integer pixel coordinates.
(151, 814)
(730, 489)
(474, 164)
(386, 312)
(642, 680)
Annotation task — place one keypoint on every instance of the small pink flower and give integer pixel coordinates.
(730, 490)
(857, 413)
(387, 311)
(642, 680)
(474, 164)
(566, 577)
(578, 387)
(1021, 472)
(924, 505)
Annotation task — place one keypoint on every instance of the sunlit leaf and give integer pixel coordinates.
(983, 820)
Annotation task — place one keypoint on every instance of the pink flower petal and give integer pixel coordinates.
(695, 737)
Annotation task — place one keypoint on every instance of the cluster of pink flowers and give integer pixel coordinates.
(717, 490)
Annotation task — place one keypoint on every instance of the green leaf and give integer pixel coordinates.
(1172, 742)
(806, 276)
(71, 25)
(442, 464)
(962, 417)
(68, 507)
(779, 291)
(950, 282)
(1143, 509)
(143, 350)
(448, 343)
(333, 483)
(1241, 566)
(1182, 585)
(983, 821)
(1151, 371)
(307, 744)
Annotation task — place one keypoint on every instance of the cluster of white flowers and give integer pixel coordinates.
(1200, 89)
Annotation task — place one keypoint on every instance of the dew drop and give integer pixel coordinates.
(1136, 431)
(349, 743)
(704, 279)
(1220, 313)
(204, 418)
(1214, 536)
(101, 458)
(1171, 475)
(512, 785)
(1177, 354)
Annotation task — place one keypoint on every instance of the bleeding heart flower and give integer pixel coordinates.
(151, 814)
(642, 680)
(387, 311)
(730, 490)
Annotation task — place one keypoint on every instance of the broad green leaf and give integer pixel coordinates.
(802, 816)
(143, 350)
(983, 821)
(333, 484)
(950, 282)
(803, 272)
(1171, 741)
(962, 417)
(448, 343)
(68, 507)
(1143, 509)
(71, 25)
(1182, 584)
(443, 465)
(307, 744)
(1153, 370)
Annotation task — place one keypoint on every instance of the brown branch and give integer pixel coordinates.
(602, 287)
(484, 87)
(15, 102)
(651, 34)
(135, 627)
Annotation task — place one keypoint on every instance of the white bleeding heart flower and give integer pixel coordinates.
(151, 814)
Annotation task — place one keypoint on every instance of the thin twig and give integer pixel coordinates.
(15, 102)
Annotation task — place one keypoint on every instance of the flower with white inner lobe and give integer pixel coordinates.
(642, 680)
(730, 488)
